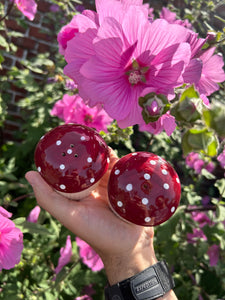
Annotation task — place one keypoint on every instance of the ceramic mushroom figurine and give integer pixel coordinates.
(72, 158)
(143, 189)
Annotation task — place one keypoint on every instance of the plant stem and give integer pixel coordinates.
(8, 10)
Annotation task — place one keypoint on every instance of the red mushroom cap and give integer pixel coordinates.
(144, 189)
(71, 157)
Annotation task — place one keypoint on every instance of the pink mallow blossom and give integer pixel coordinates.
(171, 17)
(213, 253)
(89, 256)
(27, 7)
(212, 73)
(84, 297)
(196, 235)
(34, 214)
(11, 241)
(72, 109)
(165, 122)
(65, 255)
(221, 158)
(113, 63)
(194, 161)
(79, 23)
(202, 219)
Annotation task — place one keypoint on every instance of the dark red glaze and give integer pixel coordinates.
(72, 157)
(144, 189)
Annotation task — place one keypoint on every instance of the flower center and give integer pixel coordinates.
(136, 73)
(88, 118)
(134, 77)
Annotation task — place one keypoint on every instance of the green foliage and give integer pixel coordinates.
(198, 139)
(199, 129)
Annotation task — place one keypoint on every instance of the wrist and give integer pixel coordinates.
(124, 265)
(153, 283)
(120, 268)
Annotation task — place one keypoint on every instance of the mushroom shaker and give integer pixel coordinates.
(72, 158)
(143, 189)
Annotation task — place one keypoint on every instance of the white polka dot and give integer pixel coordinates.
(152, 162)
(177, 180)
(147, 219)
(117, 172)
(144, 201)
(172, 209)
(164, 172)
(134, 154)
(147, 176)
(39, 169)
(62, 167)
(129, 187)
(58, 142)
(82, 138)
(62, 186)
(108, 160)
(166, 186)
(89, 159)
(69, 151)
(119, 203)
(92, 180)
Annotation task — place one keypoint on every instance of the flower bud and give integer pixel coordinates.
(154, 106)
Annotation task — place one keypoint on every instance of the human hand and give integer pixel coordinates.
(117, 242)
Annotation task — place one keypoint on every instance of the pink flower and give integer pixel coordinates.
(191, 158)
(194, 161)
(212, 73)
(70, 84)
(171, 17)
(88, 291)
(5, 213)
(65, 255)
(195, 236)
(72, 109)
(201, 218)
(79, 23)
(54, 8)
(213, 253)
(89, 256)
(85, 297)
(34, 214)
(221, 158)
(11, 242)
(124, 56)
(27, 7)
(165, 122)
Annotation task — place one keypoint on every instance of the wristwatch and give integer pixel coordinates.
(150, 284)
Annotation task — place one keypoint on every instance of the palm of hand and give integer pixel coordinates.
(91, 218)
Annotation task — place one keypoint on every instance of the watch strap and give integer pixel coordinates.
(150, 284)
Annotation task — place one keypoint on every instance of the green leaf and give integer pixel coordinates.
(220, 184)
(189, 107)
(215, 118)
(200, 140)
(3, 42)
(28, 227)
(220, 212)
(207, 174)
(167, 229)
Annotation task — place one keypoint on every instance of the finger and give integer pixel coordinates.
(113, 157)
(80, 217)
(57, 205)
